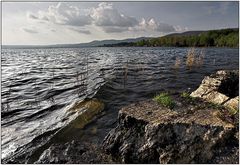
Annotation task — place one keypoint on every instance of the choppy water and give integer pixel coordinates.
(39, 84)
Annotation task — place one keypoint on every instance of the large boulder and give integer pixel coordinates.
(150, 133)
(220, 88)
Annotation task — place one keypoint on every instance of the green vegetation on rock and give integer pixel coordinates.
(165, 100)
(186, 95)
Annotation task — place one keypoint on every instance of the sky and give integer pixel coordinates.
(46, 23)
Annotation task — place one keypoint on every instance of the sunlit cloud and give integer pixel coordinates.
(105, 16)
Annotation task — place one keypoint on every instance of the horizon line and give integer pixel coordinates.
(114, 39)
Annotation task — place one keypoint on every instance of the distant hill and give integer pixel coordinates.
(194, 33)
(105, 42)
(188, 33)
(95, 43)
(222, 37)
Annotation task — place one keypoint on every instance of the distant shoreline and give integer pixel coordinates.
(210, 38)
(119, 47)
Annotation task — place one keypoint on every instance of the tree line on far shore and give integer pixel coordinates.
(212, 38)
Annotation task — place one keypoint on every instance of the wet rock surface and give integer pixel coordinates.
(74, 153)
(189, 133)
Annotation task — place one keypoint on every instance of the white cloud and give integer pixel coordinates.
(180, 29)
(64, 14)
(30, 30)
(153, 25)
(104, 16)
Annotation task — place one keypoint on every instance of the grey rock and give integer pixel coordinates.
(73, 153)
(170, 136)
(220, 88)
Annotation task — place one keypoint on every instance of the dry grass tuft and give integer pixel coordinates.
(199, 59)
(177, 63)
(190, 58)
(194, 58)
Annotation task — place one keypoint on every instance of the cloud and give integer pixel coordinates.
(81, 31)
(31, 16)
(106, 15)
(29, 30)
(152, 25)
(112, 21)
(114, 29)
(180, 29)
(165, 28)
(64, 14)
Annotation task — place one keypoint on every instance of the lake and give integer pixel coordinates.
(38, 86)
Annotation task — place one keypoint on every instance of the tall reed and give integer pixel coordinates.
(177, 63)
(200, 58)
(190, 58)
(194, 59)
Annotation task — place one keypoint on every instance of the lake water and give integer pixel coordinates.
(38, 86)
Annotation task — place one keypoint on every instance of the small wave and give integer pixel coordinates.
(118, 76)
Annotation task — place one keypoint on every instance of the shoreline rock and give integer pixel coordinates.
(195, 131)
(220, 88)
(150, 133)
(73, 153)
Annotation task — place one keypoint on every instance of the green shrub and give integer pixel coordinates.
(185, 95)
(165, 100)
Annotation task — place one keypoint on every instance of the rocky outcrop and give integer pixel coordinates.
(150, 133)
(220, 88)
(73, 153)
